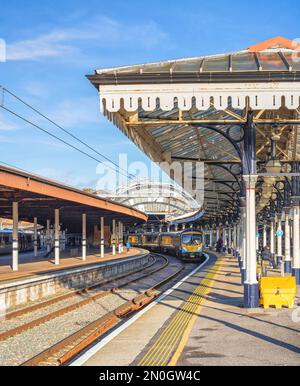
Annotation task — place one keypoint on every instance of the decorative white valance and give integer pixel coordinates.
(261, 96)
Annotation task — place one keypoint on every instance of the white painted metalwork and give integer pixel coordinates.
(15, 237)
(296, 244)
(263, 95)
(56, 237)
(102, 237)
(35, 237)
(83, 236)
(250, 182)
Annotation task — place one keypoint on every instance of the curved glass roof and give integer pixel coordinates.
(243, 61)
(157, 198)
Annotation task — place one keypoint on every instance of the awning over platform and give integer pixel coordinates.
(38, 197)
(196, 109)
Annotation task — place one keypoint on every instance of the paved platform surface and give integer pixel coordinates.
(202, 322)
(32, 266)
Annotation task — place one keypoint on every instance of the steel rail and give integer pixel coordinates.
(71, 294)
(53, 315)
(80, 340)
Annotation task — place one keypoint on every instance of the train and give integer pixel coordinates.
(26, 241)
(188, 245)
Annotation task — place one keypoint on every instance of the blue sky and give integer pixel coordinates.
(52, 45)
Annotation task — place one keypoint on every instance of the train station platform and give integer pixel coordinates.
(201, 321)
(31, 266)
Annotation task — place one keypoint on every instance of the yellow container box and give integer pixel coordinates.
(277, 291)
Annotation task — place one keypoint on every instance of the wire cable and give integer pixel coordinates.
(57, 138)
(63, 129)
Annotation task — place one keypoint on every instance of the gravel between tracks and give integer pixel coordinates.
(17, 349)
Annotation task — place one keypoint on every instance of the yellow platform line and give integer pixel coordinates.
(174, 336)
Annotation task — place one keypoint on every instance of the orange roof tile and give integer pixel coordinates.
(276, 42)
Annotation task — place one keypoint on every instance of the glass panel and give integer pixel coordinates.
(271, 61)
(157, 67)
(220, 63)
(129, 70)
(191, 239)
(294, 59)
(188, 66)
(244, 62)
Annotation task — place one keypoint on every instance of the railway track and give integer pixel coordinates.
(89, 298)
(57, 299)
(67, 348)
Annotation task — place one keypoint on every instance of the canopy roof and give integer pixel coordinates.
(155, 198)
(195, 110)
(38, 197)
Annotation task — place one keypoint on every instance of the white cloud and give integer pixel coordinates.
(7, 124)
(101, 32)
(36, 89)
(76, 112)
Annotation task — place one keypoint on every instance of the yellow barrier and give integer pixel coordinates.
(277, 291)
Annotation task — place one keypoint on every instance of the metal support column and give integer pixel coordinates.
(119, 237)
(234, 239)
(287, 244)
(83, 236)
(264, 235)
(102, 237)
(56, 236)
(211, 241)
(238, 236)
(296, 210)
(272, 251)
(15, 237)
(48, 236)
(229, 239)
(296, 244)
(35, 238)
(251, 284)
(279, 234)
(251, 294)
(113, 237)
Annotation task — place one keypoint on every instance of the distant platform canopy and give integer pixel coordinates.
(156, 198)
(38, 197)
(197, 109)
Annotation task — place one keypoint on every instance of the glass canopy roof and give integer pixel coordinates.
(270, 60)
(163, 116)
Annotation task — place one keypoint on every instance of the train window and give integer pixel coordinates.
(166, 240)
(133, 239)
(191, 239)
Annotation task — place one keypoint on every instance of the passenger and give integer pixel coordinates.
(266, 256)
(128, 245)
(220, 245)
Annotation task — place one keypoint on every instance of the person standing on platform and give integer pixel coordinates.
(128, 245)
(219, 245)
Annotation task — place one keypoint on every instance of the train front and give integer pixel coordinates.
(192, 246)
